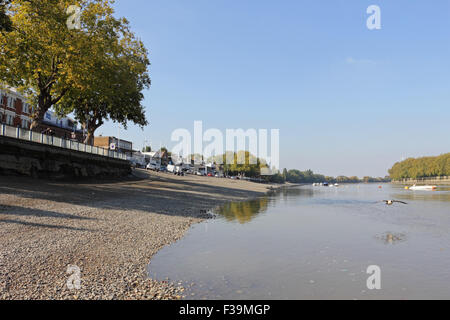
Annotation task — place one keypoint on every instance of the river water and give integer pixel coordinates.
(317, 243)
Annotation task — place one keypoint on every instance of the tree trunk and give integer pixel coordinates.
(92, 126)
(89, 138)
(38, 116)
(44, 104)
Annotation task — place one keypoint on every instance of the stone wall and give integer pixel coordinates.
(27, 158)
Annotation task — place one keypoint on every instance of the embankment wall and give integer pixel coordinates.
(21, 157)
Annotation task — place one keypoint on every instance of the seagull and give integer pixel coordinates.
(391, 202)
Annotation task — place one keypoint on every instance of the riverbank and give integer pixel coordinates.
(424, 181)
(110, 230)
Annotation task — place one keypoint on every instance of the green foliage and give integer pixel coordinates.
(243, 212)
(40, 56)
(165, 150)
(297, 176)
(111, 88)
(241, 162)
(97, 72)
(421, 168)
(275, 178)
(250, 166)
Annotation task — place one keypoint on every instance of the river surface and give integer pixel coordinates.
(317, 243)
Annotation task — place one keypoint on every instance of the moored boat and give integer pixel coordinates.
(423, 188)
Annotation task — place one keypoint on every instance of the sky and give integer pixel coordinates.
(347, 100)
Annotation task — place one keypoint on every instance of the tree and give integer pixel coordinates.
(425, 167)
(5, 21)
(112, 88)
(42, 57)
(285, 174)
(241, 162)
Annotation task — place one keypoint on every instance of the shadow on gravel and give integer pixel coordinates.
(24, 212)
(39, 225)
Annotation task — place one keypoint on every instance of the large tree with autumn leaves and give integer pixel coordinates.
(88, 70)
(111, 89)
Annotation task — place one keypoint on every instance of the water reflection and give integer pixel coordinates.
(285, 193)
(316, 243)
(442, 194)
(245, 212)
(391, 238)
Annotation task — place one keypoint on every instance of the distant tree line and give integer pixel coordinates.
(425, 167)
(244, 163)
(308, 176)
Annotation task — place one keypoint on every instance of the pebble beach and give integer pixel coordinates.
(109, 230)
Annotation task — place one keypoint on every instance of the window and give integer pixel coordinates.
(10, 102)
(9, 119)
(25, 108)
(25, 124)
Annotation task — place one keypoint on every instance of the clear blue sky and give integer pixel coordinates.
(347, 100)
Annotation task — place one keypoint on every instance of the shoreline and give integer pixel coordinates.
(110, 230)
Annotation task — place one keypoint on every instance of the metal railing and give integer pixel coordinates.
(439, 179)
(28, 135)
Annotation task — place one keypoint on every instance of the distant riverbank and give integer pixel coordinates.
(424, 181)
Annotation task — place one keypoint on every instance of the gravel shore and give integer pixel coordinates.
(109, 230)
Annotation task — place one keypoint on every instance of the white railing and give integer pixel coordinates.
(24, 134)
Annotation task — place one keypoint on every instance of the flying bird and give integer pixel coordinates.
(391, 202)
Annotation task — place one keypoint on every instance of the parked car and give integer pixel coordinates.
(175, 169)
(171, 168)
(153, 167)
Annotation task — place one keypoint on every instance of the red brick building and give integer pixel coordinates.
(118, 144)
(16, 112)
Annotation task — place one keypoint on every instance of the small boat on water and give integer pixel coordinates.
(423, 188)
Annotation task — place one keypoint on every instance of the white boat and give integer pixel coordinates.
(423, 188)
